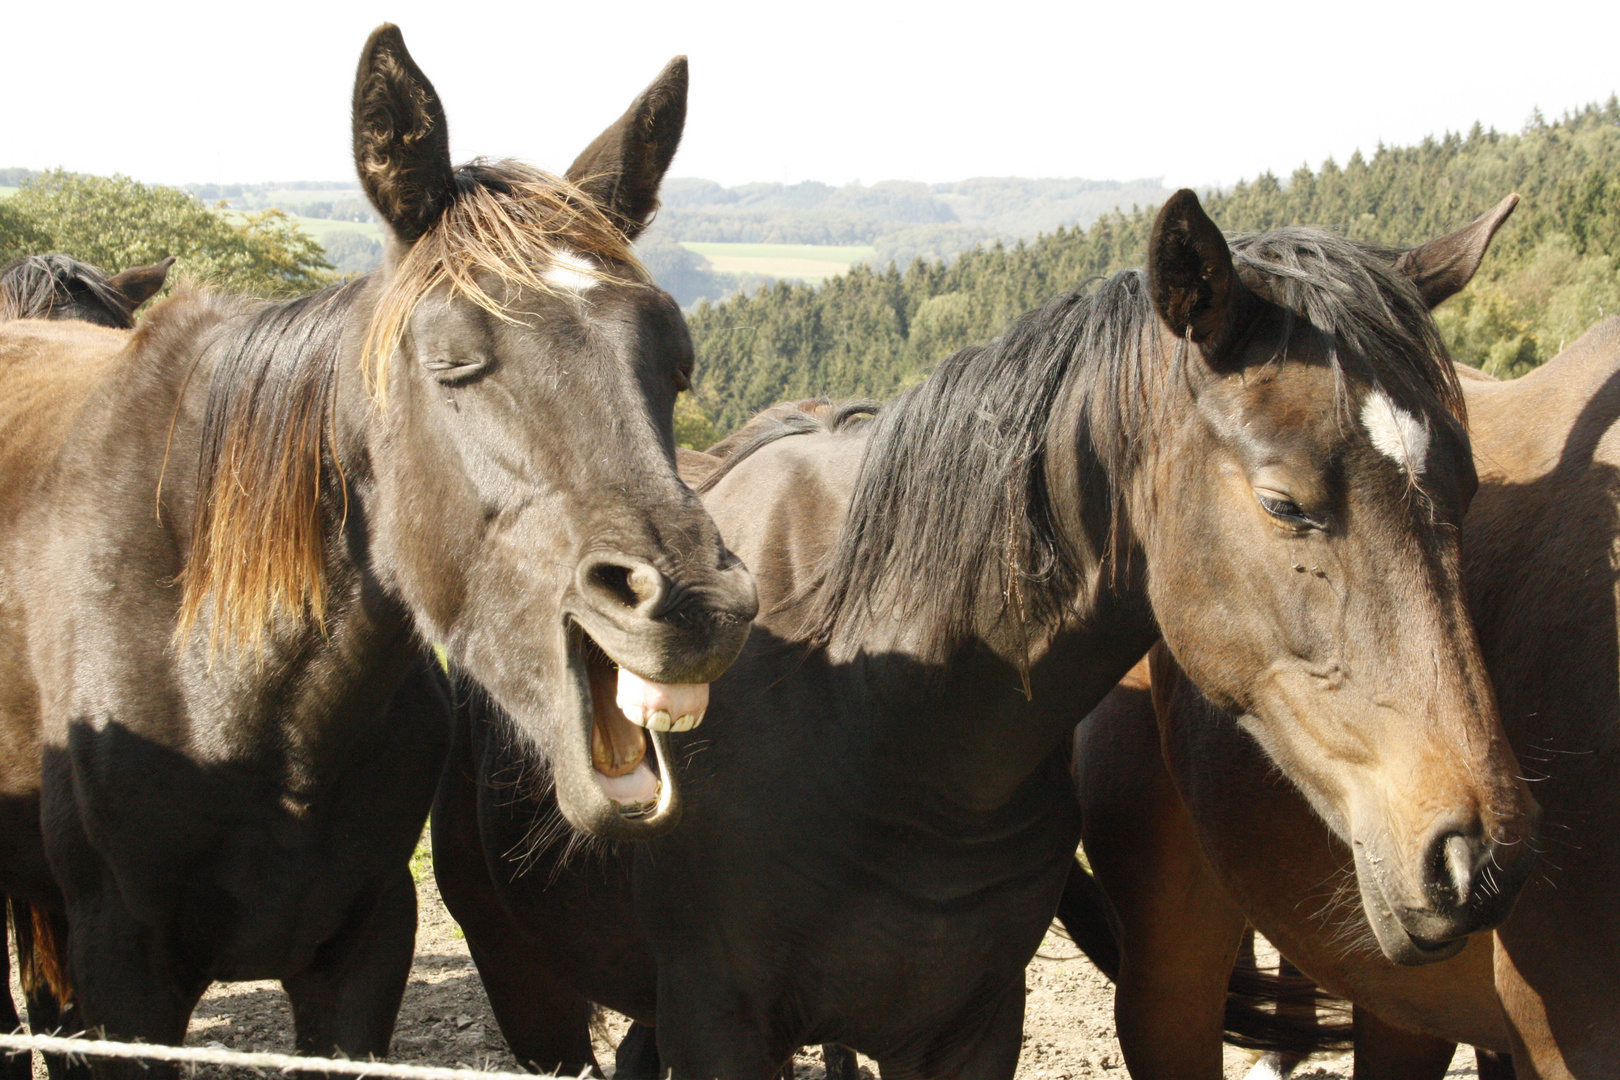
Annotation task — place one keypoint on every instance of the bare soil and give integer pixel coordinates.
(445, 1019)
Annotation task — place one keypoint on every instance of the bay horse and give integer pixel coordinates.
(230, 535)
(879, 816)
(57, 286)
(1190, 830)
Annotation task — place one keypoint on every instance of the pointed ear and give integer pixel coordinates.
(1191, 279)
(401, 144)
(622, 169)
(1442, 267)
(139, 284)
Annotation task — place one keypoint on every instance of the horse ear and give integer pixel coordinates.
(1190, 275)
(139, 284)
(401, 143)
(622, 169)
(1442, 267)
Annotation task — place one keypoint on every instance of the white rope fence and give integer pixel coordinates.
(202, 1055)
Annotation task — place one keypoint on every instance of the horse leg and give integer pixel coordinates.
(347, 1001)
(637, 1055)
(128, 985)
(1178, 930)
(544, 1019)
(709, 1027)
(18, 1065)
(1384, 1052)
(41, 936)
(840, 1062)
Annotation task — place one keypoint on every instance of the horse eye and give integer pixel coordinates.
(1285, 510)
(453, 371)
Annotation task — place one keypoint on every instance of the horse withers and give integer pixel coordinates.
(228, 535)
(1220, 838)
(1254, 448)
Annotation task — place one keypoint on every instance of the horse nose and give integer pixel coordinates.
(626, 583)
(1470, 880)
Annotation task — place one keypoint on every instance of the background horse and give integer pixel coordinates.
(227, 536)
(879, 818)
(61, 287)
(1188, 825)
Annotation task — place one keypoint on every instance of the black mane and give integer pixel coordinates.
(953, 487)
(34, 286)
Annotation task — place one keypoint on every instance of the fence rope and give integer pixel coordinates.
(202, 1055)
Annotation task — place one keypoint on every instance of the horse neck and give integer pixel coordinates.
(347, 664)
(975, 726)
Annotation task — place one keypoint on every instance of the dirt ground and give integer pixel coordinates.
(445, 1019)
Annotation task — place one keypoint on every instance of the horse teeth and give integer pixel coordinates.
(685, 723)
(659, 721)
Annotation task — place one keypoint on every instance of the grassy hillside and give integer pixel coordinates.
(1551, 273)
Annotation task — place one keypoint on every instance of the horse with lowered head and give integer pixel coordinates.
(228, 535)
(1255, 449)
(1212, 822)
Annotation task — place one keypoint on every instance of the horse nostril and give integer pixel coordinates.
(1454, 863)
(637, 585)
(1459, 856)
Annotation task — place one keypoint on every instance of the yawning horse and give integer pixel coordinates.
(228, 535)
(1191, 832)
(1254, 449)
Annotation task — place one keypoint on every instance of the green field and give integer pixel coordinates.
(322, 228)
(808, 262)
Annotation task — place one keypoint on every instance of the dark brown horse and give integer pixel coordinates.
(228, 535)
(1191, 831)
(61, 287)
(1255, 450)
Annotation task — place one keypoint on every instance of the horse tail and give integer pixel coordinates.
(41, 938)
(1264, 1011)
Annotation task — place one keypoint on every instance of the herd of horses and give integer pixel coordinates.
(876, 651)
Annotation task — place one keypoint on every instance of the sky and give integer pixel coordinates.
(834, 90)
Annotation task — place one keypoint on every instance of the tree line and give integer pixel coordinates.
(115, 223)
(1553, 270)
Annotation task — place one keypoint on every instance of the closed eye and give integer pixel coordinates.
(454, 371)
(1287, 511)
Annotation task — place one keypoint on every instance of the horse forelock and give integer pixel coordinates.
(953, 488)
(511, 224)
(1352, 293)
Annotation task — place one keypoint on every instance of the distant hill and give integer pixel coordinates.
(901, 220)
(1553, 271)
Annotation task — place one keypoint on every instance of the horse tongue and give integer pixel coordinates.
(618, 747)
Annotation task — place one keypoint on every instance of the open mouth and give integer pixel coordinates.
(624, 708)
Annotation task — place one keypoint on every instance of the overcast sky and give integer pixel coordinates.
(829, 90)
